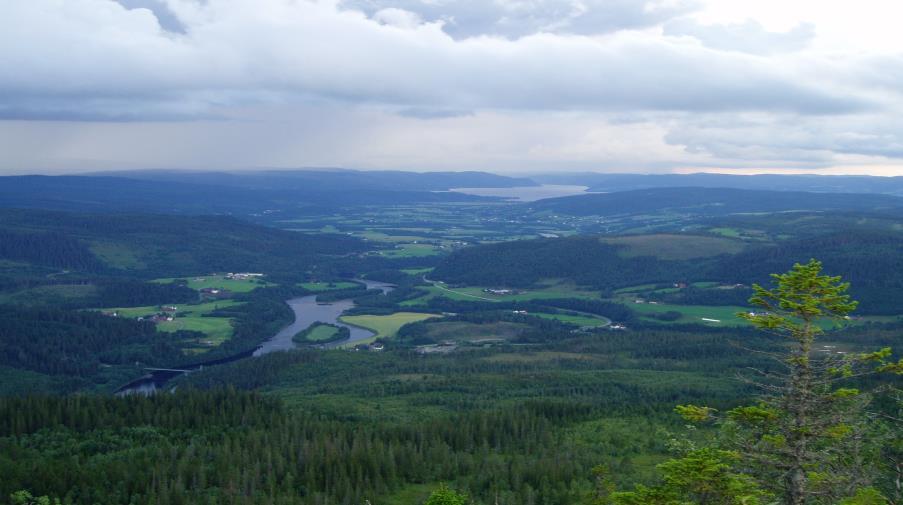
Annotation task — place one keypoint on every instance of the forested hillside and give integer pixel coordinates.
(770, 182)
(206, 193)
(585, 259)
(150, 246)
(873, 261)
(710, 202)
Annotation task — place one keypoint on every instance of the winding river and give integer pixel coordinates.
(307, 311)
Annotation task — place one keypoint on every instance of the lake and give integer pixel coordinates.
(526, 193)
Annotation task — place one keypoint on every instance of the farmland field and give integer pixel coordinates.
(218, 282)
(385, 326)
(579, 320)
(321, 333)
(117, 255)
(725, 315)
(476, 293)
(189, 317)
(411, 251)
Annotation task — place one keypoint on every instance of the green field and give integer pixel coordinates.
(385, 326)
(411, 251)
(189, 317)
(218, 282)
(675, 247)
(417, 271)
(726, 232)
(474, 293)
(725, 315)
(321, 333)
(653, 288)
(579, 320)
(382, 237)
(327, 286)
(117, 255)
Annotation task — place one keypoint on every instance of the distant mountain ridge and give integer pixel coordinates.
(711, 202)
(815, 183)
(336, 179)
(170, 194)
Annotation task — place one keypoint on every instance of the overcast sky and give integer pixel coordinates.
(813, 86)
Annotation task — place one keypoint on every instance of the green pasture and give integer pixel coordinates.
(188, 317)
(726, 315)
(216, 329)
(579, 320)
(218, 282)
(410, 251)
(385, 326)
(652, 288)
(377, 236)
(727, 232)
(117, 255)
(476, 293)
(321, 333)
(417, 271)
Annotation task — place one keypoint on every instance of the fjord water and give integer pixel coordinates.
(526, 193)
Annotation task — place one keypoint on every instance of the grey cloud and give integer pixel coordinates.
(518, 18)
(430, 83)
(242, 53)
(167, 19)
(431, 113)
(749, 37)
(786, 139)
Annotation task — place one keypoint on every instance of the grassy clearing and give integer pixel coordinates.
(382, 237)
(636, 289)
(117, 256)
(411, 493)
(675, 247)
(190, 318)
(327, 286)
(218, 282)
(322, 333)
(417, 271)
(724, 315)
(411, 251)
(216, 329)
(476, 293)
(386, 326)
(653, 288)
(197, 309)
(579, 320)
